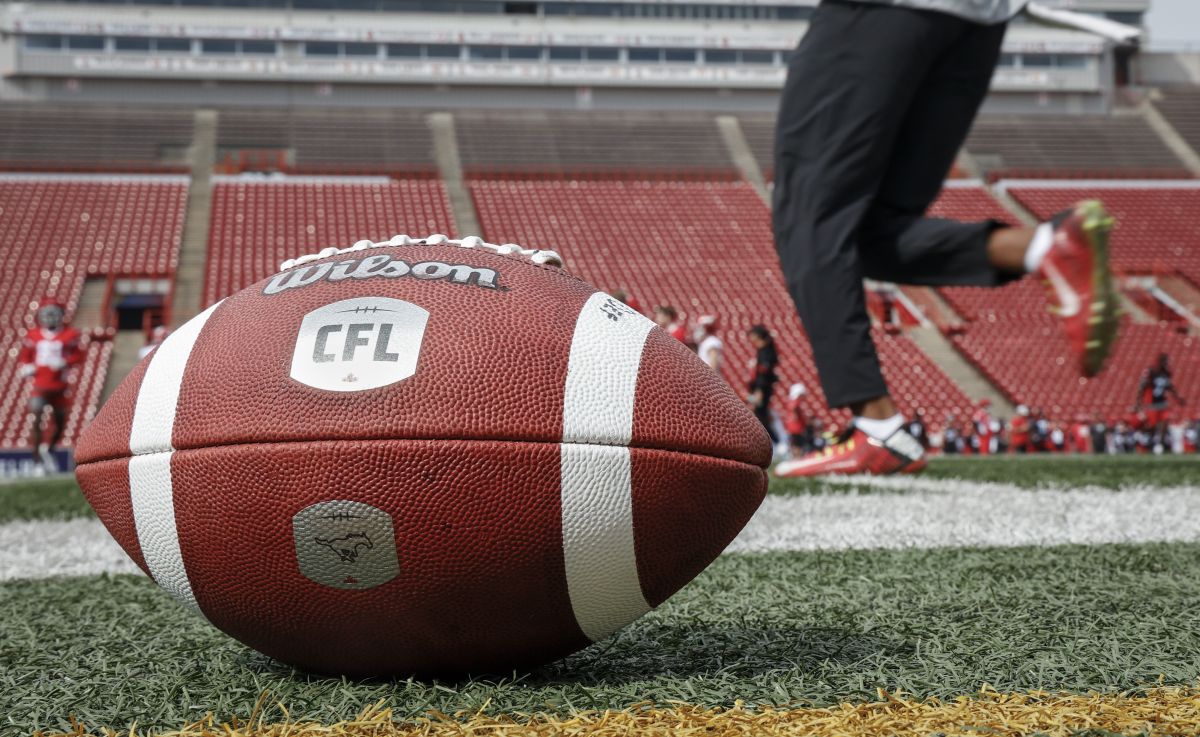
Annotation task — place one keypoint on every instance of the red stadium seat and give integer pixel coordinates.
(703, 247)
(256, 224)
(57, 231)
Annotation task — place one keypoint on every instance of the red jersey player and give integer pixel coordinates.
(982, 418)
(1018, 431)
(1154, 392)
(667, 318)
(48, 352)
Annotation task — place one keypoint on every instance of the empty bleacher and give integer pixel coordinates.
(1181, 107)
(539, 142)
(701, 246)
(1061, 146)
(49, 137)
(257, 222)
(339, 141)
(57, 230)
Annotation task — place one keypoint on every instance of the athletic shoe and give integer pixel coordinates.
(1077, 277)
(860, 453)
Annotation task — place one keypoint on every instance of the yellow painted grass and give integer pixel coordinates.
(1158, 711)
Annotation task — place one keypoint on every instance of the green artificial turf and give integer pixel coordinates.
(778, 628)
(53, 498)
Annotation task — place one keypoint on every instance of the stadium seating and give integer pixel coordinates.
(595, 142)
(1059, 146)
(1181, 107)
(374, 140)
(703, 247)
(46, 137)
(57, 230)
(257, 222)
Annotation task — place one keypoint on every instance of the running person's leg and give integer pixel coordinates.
(37, 408)
(852, 83)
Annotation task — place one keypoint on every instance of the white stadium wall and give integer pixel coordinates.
(225, 56)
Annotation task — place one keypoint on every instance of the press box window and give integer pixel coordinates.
(182, 45)
(566, 53)
(403, 51)
(443, 51)
(758, 57)
(85, 43)
(44, 43)
(131, 44)
(652, 56)
(603, 53)
(525, 53)
(258, 47)
(360, 49)
(485, 53)
(320, 48)
(218, 46)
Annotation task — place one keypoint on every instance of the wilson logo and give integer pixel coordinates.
(382, 266)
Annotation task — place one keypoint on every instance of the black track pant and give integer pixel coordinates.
(878, 101)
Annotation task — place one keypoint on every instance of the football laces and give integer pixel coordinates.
(537, 256)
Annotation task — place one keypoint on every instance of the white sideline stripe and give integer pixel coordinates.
(598, 397)
(929, 514)
(151, 489)
(904, 513)
(48, 548)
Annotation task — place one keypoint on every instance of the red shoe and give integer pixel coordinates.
(860, 453)
(1076, 274)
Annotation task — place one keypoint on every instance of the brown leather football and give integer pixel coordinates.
(424, 457)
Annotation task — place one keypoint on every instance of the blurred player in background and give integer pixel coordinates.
(667, 318)
(763, 375)
(708, 344)
(1155, 391)
(879, 98)
(795, 421)
(48, 352)
(1019, 431)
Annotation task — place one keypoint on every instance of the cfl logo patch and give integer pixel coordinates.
(359, 344)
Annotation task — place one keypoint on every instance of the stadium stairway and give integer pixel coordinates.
(743, 155)
(193, 251)
(449, 162)
(125, 347)
(1170, 137)
(1179, 294)
(973, 383)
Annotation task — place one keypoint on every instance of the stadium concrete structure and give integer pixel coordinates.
(157, 156)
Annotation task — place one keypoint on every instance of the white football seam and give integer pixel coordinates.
(151, 491)
(599, 555)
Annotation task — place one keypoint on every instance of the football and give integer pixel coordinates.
(426, 457)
